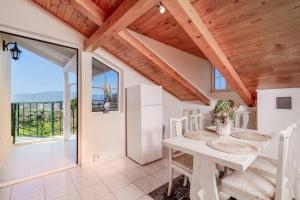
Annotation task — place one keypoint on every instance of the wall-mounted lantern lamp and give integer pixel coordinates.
(15, 51)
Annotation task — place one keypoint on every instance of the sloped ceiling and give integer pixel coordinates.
(259, 37)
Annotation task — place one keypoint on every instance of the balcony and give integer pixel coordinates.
(36, 121)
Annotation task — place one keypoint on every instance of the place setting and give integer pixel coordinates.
(223, 137)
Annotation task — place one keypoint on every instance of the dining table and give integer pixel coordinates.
(205, 158)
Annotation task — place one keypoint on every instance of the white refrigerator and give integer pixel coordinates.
(144, 123)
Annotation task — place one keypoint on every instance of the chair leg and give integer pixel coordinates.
(185, 181)
(170, 181)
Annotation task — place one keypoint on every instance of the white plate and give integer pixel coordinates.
(232, 147)
(211, 128)
(200, 135)
(251, 136)
(214, 128)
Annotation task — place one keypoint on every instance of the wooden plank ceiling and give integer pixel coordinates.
(260, 38)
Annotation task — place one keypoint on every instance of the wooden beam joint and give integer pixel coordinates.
(91, 10)
(126, 13)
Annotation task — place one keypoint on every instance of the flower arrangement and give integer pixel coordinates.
(106, 90)
(222, 116)
(223, 111)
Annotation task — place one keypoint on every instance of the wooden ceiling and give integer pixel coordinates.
(259, 37)
(164, 28)
(257, 42)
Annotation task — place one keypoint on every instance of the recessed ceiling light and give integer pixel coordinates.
(161, 8)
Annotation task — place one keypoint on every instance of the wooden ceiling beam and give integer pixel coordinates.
(91, 10)
(185, 14)
(123, 16)
(160, 65)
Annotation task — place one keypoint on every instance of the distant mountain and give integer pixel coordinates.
(41, 97)
(51, 96)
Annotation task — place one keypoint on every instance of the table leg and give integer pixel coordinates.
(203, 180)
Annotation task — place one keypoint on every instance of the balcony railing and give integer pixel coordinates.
(40, 119)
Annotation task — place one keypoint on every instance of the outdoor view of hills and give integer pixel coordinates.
(51, 96)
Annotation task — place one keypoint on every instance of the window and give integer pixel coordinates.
(105, 86)
(219, 82)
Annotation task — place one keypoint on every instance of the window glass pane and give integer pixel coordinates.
(217, 73)
(104, 77)
(219, 81)
(223, 83)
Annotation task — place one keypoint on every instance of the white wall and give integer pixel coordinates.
(5, 120)
(193, 68)
(228, 96)
(274, 120)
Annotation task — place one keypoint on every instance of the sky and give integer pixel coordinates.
(220, 82)
(34, 74)
(99, 81)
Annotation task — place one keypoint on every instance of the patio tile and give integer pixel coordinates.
(86, 181)
(107, 172)
(130, 192)
(80, 171)
(153, 167)
(72, 196)
(162, 175)
(135, 174)
(117, 182)
(148, 184)
(96, 191)
(26, 188)
(59, 190)
(39, 195)
(57, 178)
(5, 193)
(146, 198)
(124, 164)
(109, 197)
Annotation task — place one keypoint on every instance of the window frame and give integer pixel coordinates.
(111, 67)
(227, 89)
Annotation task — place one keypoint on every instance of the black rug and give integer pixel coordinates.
(178, 191)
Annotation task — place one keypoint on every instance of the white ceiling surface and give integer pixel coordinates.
(62, 56)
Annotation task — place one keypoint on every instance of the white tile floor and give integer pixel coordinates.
(120, 179)
(32, 159)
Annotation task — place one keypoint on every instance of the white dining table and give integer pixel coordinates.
(206, 158)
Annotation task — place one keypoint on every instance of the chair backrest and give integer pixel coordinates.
(196, 122)
(245, 119)
(282, 170)
(291, 156)
(293, 165)
(188, 113)
(236, 123)
(180, 124)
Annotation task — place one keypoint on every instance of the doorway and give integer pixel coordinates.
(39, 105)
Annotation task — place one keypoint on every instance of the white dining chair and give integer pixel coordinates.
(268, 167)
(245, 119)
(179, 161)
(249, 185)
(196, 122)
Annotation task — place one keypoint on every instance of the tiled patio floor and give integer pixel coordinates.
(120, 179)
(32, 159)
